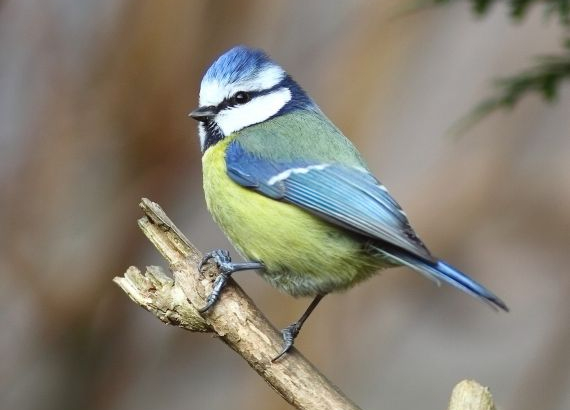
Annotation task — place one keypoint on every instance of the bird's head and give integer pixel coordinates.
(244, 87)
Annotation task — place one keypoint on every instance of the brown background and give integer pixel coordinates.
(93, 104)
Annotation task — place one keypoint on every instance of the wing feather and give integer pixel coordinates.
(345, 195)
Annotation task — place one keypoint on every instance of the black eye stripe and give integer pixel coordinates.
(241, 97)
(229, 102)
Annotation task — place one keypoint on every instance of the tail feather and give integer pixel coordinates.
(441, 271)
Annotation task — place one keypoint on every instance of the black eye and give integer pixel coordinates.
(241, 97)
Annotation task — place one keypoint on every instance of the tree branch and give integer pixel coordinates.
(234, 318)
(470, 395)
(238, 322)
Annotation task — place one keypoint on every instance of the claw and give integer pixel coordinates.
(219, 283)
(221, 256)
(209, 303)
(291, 331)
(226, 268)
(289, 334)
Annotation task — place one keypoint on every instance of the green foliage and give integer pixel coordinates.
(544, 77)
(519, 8)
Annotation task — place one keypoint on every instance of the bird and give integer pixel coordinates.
(294, 196)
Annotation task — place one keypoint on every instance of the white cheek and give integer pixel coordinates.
(257, 110)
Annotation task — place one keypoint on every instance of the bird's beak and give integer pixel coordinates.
(203, 114)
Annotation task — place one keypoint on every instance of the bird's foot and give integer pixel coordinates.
(224, 263)
(289, 334)
(226, 268)
(220, 256)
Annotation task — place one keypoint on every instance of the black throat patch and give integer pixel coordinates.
(213, 135)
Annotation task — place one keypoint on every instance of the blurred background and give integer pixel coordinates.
(94, 97)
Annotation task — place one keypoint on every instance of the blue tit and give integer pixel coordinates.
(292, 193)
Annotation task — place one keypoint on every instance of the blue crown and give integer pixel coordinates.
(240, 63)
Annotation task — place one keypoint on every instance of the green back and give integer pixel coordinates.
(306, 135)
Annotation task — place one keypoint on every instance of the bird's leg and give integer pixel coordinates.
(291, 331)
(226, 267)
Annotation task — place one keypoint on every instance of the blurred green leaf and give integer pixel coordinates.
(519, 8)
(544, 77)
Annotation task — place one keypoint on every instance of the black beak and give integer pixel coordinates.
(203, 114)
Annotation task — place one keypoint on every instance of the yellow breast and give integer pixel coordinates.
(303, 254)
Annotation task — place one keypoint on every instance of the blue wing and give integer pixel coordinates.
(345, 195)
(353, 199)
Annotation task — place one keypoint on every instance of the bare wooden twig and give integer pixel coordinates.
(470, 395)
(238, 322)
(234, 318)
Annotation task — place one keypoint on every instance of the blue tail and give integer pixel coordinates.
(442, 271)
